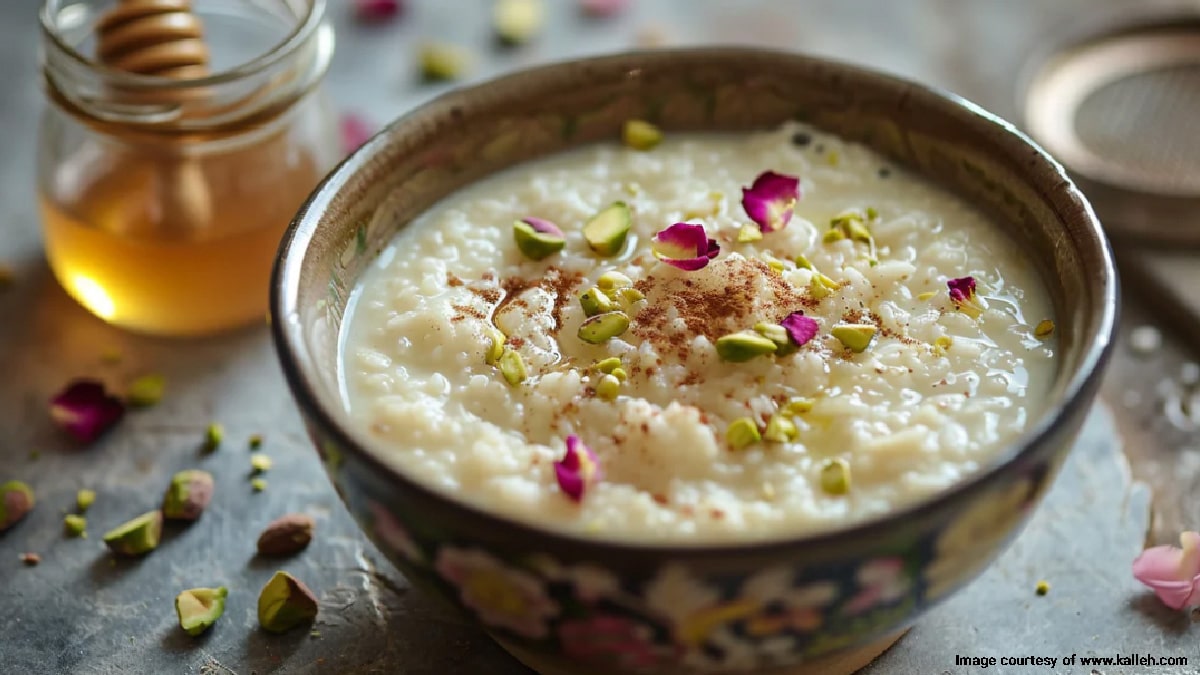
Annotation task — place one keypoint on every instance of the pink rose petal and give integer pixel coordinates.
(376, 11)
(770, 200)
(355, 131)
(1173, 574)
(961, 290)
(85, 410)
(543, 226)
(578, 468)
(685, 246)
(603, 8)
(800, 328)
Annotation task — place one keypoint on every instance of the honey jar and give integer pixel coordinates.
(175, 148)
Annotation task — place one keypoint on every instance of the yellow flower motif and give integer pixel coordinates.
(966, 545)
(502, 596)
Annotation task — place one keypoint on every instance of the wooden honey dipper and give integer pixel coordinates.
(162, 38)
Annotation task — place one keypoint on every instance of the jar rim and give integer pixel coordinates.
(299, 35)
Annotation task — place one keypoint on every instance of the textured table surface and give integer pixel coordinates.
(81, 612)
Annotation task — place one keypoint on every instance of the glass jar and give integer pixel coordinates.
(163, 199)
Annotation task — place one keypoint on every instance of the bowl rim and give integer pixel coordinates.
(288, 335)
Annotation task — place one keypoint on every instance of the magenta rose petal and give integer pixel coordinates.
(377, 11)
(685, 246)
(579, 468)
(961, 289)
(355, 131)
(771, 199)
(85, 410)
(1172, 573)
(603, 8)
(800, 328)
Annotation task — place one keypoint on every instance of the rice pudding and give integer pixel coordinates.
(707, 338)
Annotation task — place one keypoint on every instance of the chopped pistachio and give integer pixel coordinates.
(594, 302)
(213, 435)
(742, 432)
(517, 21)
(84, 499)
(641, 135)
(926, 295)
(138, 536)
(743, 346)
(944, 341)
(620, 374)
(512, 367)
(835, 476)
(495, 345)
(285, 603)
(441, 61)
(76, 526)
(631, 295)
(536, 244)
(258, 484)
(798, 406)
(1043, 587)
(832, 236)
(188, 495)
(749, 233)
(260, 463)
(820, 286)
(780, 429)
(608, 388)
(612, 280)
(777, 334)
(606, 231)
(872, 214)
(854, 336)
(16, 501)
(633, 189)
(774, 263)
(859, 232)
(803, 262)
(602, 327)
(146, 390)
(1044, 329)
(255, 441)
(608, 365)
(199, 608)
(833, 158)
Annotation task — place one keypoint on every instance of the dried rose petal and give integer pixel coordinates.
(85, 410)
(770, 200)
(374, 11)
(685, 246)
(579, 468)
(603, 8)
(543, 226)
(800, 328)
(355, 131)
(961, 290)
(1173, 574)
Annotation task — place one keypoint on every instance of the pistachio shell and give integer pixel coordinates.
(739, 347)
(854, 336)
(741, 433)
(603, 327)
(606, 231)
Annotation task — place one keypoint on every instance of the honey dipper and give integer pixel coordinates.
(165, 39)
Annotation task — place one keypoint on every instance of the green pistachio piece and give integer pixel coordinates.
(872, 214)
(188, 495)
(777, 334)
(835, 476)
(16, 500)
(944, 341)
(285, 603)
(820, 286)
(641, 135)
(780, 429)
(606, 231)
(603, 327)
(927, 295)
(803, 262)
(76, 526)
(255, 441)
(1044, 329)
(516, 21)
(798, 406)
(138, 536)
(608, 365)
(739, 347)
(742, 432)
(854, 336)
(536, 245)
(213, 435)
(749, 233)
(495, 349)
(260, 463)
(146, 390)
(594, 302)
(630, 295)
(199, 608)
(608, 388)
(612, 280)
(620, 374)
(443, 61)
(258, 484)
(512, 367)
(832, 236)
(774, 263)
(84, 499)
(859, 232)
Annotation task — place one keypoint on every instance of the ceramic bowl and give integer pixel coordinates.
(578, 606)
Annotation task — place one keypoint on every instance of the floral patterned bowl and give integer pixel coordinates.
(567, 605)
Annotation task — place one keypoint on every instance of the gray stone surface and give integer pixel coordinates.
(81, 612)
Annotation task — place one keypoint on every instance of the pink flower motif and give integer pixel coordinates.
(502, 596)
(631, 643)
(882, 581)
(1173, 574)
(85, 410)
(355, 131)
(376, 11)
(685, 246)
(961, 290)
(603, 8)
(392, 533)
(771, 199)
(578, 468)
(799, 328)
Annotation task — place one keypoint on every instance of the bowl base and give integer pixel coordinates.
(843, 662)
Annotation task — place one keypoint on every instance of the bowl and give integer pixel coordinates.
(570, 605)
